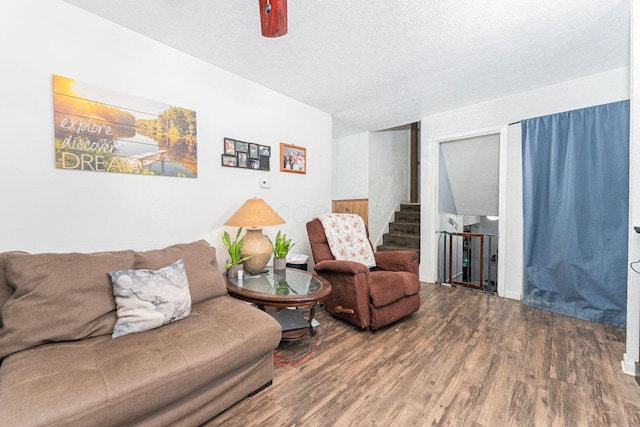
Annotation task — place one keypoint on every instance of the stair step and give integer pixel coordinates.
(409, 207)
(404, 232)
(413, 217)
(385, 248)
(401, 240)
(410, 228)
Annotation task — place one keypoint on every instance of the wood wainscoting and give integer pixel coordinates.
(352, 206)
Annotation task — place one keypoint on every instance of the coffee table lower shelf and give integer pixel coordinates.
(294, 324)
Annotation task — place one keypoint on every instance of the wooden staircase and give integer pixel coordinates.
(404, 231)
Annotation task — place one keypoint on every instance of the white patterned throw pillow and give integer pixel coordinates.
(147, 299)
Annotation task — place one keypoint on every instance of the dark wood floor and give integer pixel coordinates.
(464, 359)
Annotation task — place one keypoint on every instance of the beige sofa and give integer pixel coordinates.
(60, 365)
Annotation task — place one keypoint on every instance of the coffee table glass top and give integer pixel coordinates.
(286, 282)
(286, 288)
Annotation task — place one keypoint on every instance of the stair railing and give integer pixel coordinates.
(470, 271)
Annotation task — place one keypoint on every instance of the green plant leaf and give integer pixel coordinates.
(281, 245)
(234, 247)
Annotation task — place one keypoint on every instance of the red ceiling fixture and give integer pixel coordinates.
(273, 17)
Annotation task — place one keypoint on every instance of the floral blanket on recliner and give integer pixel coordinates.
(347, 238)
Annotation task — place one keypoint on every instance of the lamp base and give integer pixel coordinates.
(256, 246)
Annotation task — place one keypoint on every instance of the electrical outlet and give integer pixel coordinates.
(264, 183)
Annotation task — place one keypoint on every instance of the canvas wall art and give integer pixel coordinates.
(100, 130)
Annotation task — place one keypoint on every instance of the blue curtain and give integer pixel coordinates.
(576, 206)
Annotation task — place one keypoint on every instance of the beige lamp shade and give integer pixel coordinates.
(255, 214)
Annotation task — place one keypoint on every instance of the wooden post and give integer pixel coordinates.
(414, 163)
(481, 260)
(450, 258)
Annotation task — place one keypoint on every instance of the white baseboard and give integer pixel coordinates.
(513, 295)
(629, 367)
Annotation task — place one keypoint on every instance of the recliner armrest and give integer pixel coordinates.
(344, 267)
(349, 290)
(397, 261)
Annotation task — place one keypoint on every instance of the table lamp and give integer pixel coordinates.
(253, 215)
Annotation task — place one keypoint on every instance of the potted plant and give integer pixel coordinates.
(235, 253)
(281, 247)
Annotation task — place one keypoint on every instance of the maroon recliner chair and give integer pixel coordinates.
(367, 298)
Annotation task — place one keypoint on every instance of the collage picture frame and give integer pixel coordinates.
(246, 155)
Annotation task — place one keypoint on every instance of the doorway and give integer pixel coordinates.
(471, 203)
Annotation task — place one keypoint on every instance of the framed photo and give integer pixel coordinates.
(264, 150)
(264, 163)
(293, 158)
(229, 161)
(242, 146)
(229, 146)
(253, 151)
(243, 160)
(254, 164)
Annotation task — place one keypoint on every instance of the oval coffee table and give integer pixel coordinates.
(282, 289)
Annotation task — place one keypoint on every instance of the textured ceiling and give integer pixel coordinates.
(377, 64)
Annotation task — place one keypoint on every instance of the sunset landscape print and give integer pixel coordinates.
(104, 131)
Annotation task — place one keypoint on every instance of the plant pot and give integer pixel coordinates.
(279, 263)
(232, 272)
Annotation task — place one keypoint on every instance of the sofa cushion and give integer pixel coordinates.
(6, 290)
(102, 381)
(205, 278)
(147, 299)
(59, 297)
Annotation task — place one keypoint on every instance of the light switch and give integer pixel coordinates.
(264, 183)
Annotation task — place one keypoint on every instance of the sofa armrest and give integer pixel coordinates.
(397, 261)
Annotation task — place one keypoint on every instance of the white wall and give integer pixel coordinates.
(388, 177)
(596, 89)
(445, 196)
(351, 167)
(473, 168)
(48, 209)
(373, 166)
(514, 226)
(631, 357)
